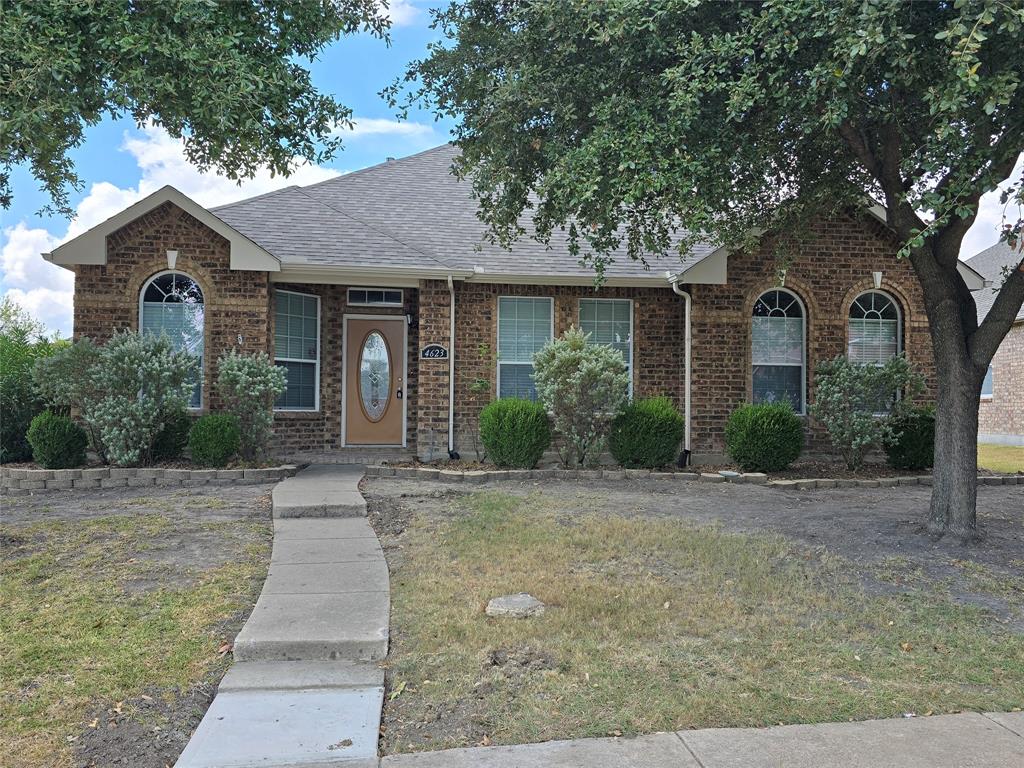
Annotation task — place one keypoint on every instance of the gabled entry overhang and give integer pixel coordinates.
(91, 247)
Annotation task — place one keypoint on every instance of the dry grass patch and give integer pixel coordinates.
(89, 620)
(1001, 458)
(655, 625)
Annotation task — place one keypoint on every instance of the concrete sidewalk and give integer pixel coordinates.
(306, 689)
(948, 741)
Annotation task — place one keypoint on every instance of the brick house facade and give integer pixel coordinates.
(241, 256)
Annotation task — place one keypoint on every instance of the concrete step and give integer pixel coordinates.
(293, 729)
(315, 627)
(300, 675)
(320, 491)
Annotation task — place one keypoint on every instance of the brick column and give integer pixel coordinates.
(432, 413)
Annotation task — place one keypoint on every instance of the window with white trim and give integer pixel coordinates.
(610, 322)
(874, 329)
(524, 326)
(986, 385)
(375, 297)
(297, 349)
(778, 333)
(171, 303)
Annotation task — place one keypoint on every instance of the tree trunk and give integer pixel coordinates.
(955, 474)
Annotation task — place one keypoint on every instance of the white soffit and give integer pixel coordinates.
(91, 247)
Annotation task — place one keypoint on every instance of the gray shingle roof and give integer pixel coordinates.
(410, 212)
(993, 264)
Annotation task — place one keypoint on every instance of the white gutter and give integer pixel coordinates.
(451, 367)
(687, 303)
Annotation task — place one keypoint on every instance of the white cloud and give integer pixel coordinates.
(375, 126)
(401, 12)
(47, 290)
(985, 230)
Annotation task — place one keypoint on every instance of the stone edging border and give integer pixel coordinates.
(21, 482)
(749, 478)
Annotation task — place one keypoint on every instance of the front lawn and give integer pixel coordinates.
(655, 623)
(115, 609)
(1001, 458)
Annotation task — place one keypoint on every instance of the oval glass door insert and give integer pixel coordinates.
(374, 375)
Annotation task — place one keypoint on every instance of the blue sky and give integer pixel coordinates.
(120, 162)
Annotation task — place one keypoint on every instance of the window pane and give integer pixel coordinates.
(300, 388)
(775, 383)
(516, 380)
(524, 326)
(986, 384)
(872, 340)
(296, 331)
(607, 322)
(173, 305)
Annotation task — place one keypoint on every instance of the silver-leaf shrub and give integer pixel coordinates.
(248, 385)
(583, 386)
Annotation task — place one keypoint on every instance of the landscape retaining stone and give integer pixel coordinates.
(19, 482)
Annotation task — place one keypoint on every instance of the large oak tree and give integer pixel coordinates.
(227, 77)
(632, 122)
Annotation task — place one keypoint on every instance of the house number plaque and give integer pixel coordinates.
(434, 352)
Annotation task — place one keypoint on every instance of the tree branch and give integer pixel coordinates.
(985, 341)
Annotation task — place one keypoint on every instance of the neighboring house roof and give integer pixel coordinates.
(993, 263)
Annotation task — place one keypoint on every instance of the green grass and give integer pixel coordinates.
(1001, 458)
(72, 637)
(654, 625)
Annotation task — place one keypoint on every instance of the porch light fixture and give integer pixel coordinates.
(172, 259)
(877, 277)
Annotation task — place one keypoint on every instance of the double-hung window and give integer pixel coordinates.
(777, 349)
(524, 326)
(297, 349)
(986, 385)
(610, 322)
(874, 336)
(172, 304)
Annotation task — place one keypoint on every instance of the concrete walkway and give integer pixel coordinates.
(948, 741)
(306, 689)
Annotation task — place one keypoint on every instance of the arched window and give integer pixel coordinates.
(778, 335)
(172, 303)
(874, 334)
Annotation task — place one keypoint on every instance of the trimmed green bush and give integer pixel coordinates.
(515, 432)
(767, 437)
(911, 442)
(214, 440)
(57, 442)
(170, 441)
(647, 434)
(248, 385)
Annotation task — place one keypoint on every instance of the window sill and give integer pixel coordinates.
(295, 414)
(985, 398)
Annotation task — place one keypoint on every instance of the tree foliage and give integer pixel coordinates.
(644, 124)
(23, 341)
(227, 77)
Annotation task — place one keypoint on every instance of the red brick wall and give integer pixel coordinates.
(827, 269)
(1003, 414)
(316, 432)
(657, 349)
(236, 303)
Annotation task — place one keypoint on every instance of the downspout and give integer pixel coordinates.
(687, 303)
(452, 454)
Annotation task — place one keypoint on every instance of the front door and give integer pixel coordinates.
(374, 380)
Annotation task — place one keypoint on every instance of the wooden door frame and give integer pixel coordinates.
(344, 378)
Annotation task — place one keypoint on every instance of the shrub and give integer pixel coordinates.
(22, 343)
(647, 433)
(767, 437)
(65, 382)
(248, 385)
(911, 440)
(214, 440)
(170, 441)
(142, 379)
(515, 432)
(854, 401)
(57, 442)
(583, 386)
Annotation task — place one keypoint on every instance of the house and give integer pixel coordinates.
(397, 321)
(1001, 411)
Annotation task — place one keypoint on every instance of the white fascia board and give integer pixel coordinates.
(389, 277)
(91, 247)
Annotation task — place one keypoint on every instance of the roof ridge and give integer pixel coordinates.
(373, 227)
(376, 166)
(254, 197)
